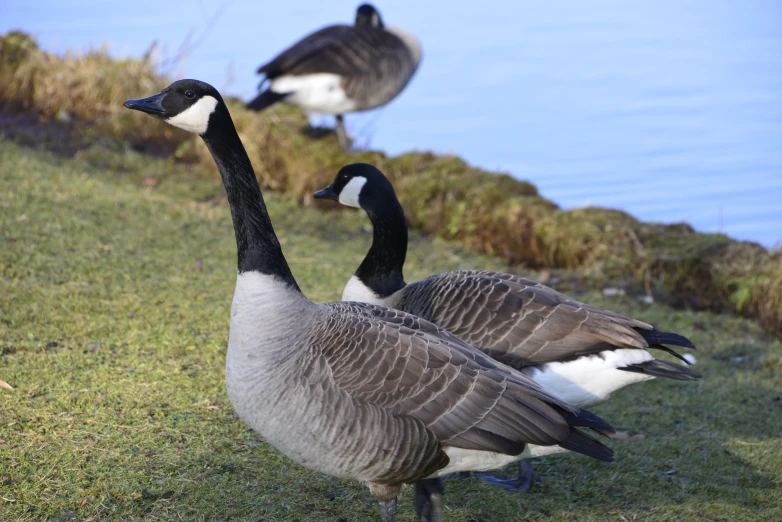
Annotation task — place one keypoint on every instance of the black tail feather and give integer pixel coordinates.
(656, 338)
(672, 352)
(586, 419)
(661, 368)
(582, 443)
(266, 99)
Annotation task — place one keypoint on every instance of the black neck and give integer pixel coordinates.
(257, 245)
(381, 269)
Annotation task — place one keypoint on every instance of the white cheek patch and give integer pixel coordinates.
(196, 117)
(349, 194)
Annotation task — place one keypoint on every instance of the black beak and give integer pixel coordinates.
(152, 105)
(326, 193)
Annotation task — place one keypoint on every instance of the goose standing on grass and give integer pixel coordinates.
(341, 69)
(356, 390)
(579, 352)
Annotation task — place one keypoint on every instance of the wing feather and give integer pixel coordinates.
(519, 321)
(337, 49)
(411, 367)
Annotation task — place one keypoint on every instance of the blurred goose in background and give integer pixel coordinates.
(341, 69)
(578, 352)
(356, 390)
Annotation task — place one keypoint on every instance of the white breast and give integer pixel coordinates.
(321, 92)
(267, 321)
(589, 380)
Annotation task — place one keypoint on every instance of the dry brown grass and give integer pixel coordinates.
(442, 195)
(88, 87)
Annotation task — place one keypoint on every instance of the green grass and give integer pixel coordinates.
(114, 307)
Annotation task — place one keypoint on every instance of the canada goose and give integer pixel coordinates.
(579, 352)
(342, 68)
(356, 390)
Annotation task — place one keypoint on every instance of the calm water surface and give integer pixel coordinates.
(671, 110)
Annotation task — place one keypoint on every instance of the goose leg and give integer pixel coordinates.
(387, 510)
(386, 497)
(345, 141)
(429, 500)
(523, 482)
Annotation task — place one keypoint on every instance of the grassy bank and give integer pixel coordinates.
(442, 195)
(116, 275)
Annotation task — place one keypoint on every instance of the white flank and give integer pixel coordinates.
(319, 92)
(351, 191)
(410, 41)
(474, 460)
(357, 291)
(589, 380)
(196, 117)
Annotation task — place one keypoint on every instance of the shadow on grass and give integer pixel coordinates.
(317, 132)
(690, 466)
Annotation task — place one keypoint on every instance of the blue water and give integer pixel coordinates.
(671, 110)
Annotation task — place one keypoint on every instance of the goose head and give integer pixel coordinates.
(188, 104)
(358, 185)
(367, 15)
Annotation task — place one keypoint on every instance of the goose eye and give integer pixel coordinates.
(190, 94)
